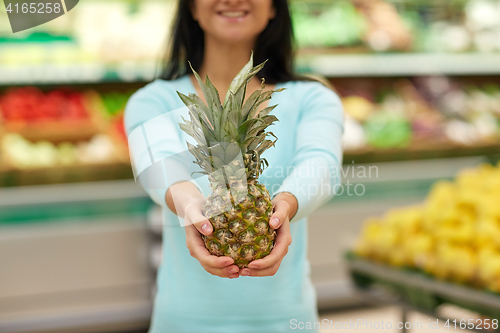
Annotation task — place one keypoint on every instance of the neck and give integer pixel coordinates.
(222, 61)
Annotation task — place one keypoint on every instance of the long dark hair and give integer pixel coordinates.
(187, 42)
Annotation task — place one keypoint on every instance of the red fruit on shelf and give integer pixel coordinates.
(29, 104)
(120, 127)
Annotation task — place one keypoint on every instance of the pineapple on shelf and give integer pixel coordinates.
(231, 138)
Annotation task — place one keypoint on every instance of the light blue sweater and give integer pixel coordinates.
(305, 162)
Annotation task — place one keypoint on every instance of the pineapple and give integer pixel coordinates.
(231, 138)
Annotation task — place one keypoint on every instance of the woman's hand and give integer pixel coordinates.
(185, 200)
(285, 207)
(195, 225)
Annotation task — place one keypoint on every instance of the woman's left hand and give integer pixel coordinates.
(283, 208)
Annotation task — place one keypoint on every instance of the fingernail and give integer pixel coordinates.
(233, 270)
(252, 266)
(233, 276)
(229, 263)
(245, 273)
(206, 229)
(275, 222)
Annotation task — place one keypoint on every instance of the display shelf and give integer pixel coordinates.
(421, 152)
(401, 64)
(54, 131)
(10, 177)
(317, 62)
(419, 289)
(37, 204)
(65, 174)
(33, 74)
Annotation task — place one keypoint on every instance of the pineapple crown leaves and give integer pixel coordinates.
(223, 131)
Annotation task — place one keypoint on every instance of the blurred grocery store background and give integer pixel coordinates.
(420, 82)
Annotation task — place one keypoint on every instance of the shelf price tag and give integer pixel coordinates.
(26, 14)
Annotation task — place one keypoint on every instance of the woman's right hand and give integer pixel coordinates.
(196, 224)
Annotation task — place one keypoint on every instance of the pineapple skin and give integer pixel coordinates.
(242, 231)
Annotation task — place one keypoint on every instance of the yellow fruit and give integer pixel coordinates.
(454, 235)
(358, 107)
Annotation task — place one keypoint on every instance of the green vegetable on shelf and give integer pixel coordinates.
(114, 102)
(386, 130)
(338, 24)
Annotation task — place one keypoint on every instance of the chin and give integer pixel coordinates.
(237, 37)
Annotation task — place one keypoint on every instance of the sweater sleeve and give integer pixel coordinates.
(159, 156)
(315, 172)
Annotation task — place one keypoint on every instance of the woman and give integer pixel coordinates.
(198, 292)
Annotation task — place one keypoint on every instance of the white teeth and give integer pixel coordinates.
(233, 14)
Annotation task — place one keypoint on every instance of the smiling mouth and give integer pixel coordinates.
(234, 14)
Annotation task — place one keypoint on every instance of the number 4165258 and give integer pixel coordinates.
(38, 8)
(482, 323)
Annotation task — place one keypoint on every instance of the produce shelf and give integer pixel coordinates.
(429, 150)
(421, 290)
(65, 174)
(54, 131)
(46, 203)
(121, 170)
(33, 74)
(317, 62)
(401, 64)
